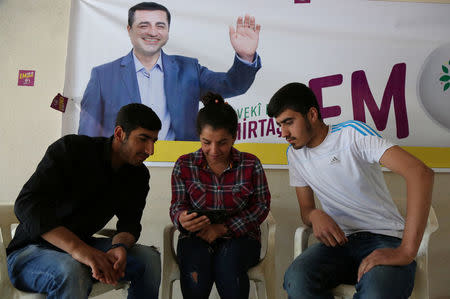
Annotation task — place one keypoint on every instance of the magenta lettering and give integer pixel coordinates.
(262, 121)
(394, 91)
(317, 84)
(252, 125)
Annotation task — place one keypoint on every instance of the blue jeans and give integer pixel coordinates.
(320, 268)
(225, 262)
(41, 269)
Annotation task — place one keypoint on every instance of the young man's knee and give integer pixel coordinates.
(149, 258)
(298, 270)
(387, 282)
(295, 279)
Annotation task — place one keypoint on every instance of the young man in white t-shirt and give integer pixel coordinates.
(363, 238)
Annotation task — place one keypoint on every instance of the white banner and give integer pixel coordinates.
(385, 63)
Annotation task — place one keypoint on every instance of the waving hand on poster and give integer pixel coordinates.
(244, 38)
(169, 84)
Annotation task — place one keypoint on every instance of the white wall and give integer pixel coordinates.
(33, 35)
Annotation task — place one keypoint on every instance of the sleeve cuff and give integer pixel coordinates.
(253, 64)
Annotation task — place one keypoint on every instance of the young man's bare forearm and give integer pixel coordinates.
(419, 191)
(64, 239)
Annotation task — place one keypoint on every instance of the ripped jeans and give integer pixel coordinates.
(225, 262)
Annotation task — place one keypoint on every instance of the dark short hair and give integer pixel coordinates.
(217, 114)
(146, 6)
(135, 115)
(294, 96)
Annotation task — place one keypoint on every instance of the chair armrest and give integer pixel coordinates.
(7, 218)
(432, 223)
(106, 232)
(432, 226)
(271, 227)
(302, 234)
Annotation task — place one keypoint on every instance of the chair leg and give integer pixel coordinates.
(166, 289)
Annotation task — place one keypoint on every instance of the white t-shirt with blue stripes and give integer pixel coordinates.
(345, 174)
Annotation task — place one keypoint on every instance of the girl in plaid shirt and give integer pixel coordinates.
(218, 177)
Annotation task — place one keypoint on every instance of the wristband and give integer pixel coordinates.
(119, 245)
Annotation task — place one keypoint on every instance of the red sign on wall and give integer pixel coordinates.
(26, 78)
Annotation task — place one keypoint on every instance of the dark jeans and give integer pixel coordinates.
(320, 268)
(225, 262)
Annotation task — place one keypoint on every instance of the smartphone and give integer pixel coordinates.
(215, 216)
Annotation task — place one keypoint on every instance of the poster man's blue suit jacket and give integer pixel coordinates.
(113, 85)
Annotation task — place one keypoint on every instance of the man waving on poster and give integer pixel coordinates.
(170, 84)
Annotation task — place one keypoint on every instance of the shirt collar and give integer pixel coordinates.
(139, 66)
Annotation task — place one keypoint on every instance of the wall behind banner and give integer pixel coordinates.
(374, 61)
(34, 35)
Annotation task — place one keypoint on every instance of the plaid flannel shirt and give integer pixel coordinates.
(241, 190)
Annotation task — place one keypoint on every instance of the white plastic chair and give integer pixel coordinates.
(421, 287)
(7, 290)
(263, 274)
